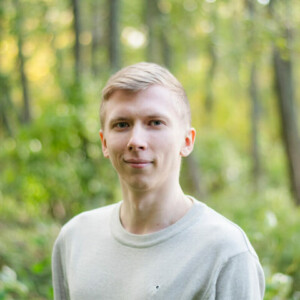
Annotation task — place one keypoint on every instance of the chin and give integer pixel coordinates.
(140, 185)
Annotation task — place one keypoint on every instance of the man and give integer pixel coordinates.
(157, 243)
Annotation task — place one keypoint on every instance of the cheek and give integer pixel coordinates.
(168, 146)
(116, 142)
(116, 147)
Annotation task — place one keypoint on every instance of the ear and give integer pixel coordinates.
(189, 141)
(103, 141)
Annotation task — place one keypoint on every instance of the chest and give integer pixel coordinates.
(114, 271)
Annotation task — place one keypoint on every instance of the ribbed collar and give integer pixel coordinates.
(148, 240)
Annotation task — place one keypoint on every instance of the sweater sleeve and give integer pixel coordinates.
(58, 273)
(241, 277)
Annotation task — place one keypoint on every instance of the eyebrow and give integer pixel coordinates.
(117, 119)
(157, 116)
(150, 116)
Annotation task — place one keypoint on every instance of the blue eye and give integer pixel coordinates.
(121, 125)
(155, 122)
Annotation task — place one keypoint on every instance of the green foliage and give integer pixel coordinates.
(10, 287)
(52, 168)
(52, 164)
(50, 171)
(26, 276)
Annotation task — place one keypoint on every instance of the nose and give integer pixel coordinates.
(137, 139)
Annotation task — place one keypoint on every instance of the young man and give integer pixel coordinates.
(157, 243)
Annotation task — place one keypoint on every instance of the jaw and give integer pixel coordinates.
(148, 180)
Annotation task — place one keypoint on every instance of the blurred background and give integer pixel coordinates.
(239, 63)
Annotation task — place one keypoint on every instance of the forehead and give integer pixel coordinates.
(155, 100)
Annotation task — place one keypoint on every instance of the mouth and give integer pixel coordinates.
(138, 163)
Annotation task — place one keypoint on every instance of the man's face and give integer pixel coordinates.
(145, 137)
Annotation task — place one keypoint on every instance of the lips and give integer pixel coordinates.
(137, 163)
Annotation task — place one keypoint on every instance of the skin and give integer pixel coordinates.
(145, 138)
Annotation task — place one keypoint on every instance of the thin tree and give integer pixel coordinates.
(21, 62)
(254, 95)
(165, 41)
(158, 30)
(5, 93)
(285, 92)
(96, 36)
(114, 35)
(152, 23)
(213, 58)
(255, 116)
(6, 105)
(77, 30)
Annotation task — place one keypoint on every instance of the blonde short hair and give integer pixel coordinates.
(140, 76)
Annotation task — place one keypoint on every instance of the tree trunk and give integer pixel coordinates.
(253, 91)
(96, 37)
(24, 81)
(284, 84)
(149, 16)
(77, 48)
(5, 106)
(114, 35)
(194, 176)
(153, 50)
(209, 80)
(166, 49)
(209, 101)
(285, 96)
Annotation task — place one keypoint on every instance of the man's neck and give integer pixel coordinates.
(151, 211)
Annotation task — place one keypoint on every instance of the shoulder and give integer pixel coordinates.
(235, 271)
(224, 236)
(88, 222)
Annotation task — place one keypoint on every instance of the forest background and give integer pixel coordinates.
(238, 61)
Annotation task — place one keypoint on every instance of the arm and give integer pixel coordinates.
(241, 277)
(58, 274)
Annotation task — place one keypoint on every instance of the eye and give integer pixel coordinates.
(121, 125)
(155, 123)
